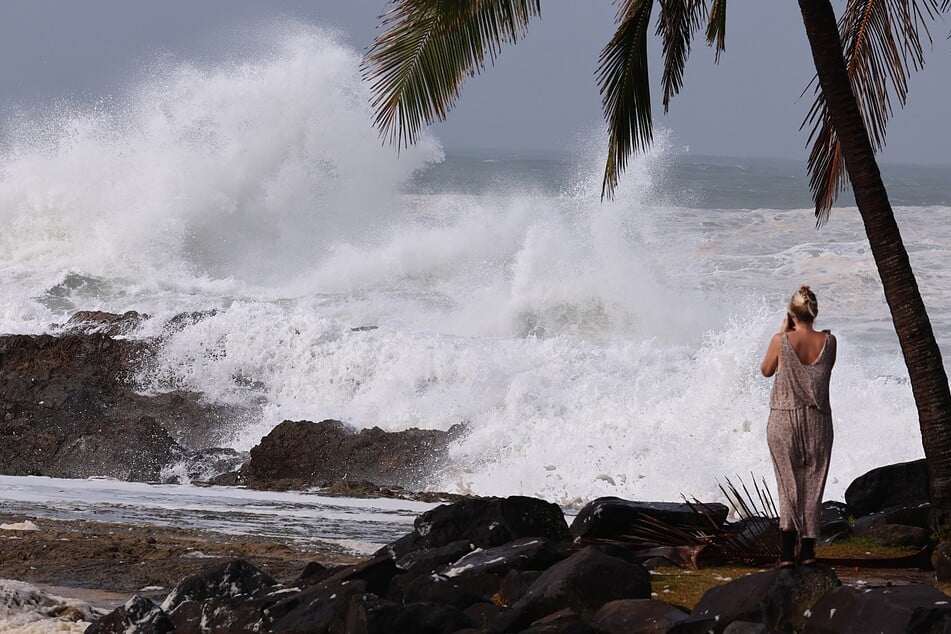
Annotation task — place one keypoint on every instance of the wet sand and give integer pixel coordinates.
(104, 564)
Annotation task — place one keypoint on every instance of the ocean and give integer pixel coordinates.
(591, 347)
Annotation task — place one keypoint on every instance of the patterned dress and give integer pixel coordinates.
(799, 434)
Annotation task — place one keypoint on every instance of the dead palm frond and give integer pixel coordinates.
(427, 49)
(882, 46)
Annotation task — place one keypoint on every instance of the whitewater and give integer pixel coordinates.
(591, 347)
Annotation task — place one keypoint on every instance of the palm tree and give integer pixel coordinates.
(427, 48)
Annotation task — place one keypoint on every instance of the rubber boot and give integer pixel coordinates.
(807, 551)
(788, 548)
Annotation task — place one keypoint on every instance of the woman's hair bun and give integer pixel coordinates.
(804, 304)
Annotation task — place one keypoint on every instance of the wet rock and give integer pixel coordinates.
(529, 553)
(911, 608)
(438, 589)
(138, 614)
(899, 535)
(428, 560)
(484, 523)
(902, 484)
(776, 598)
(610, 516)
(70, 399)
(515, 584)
(233, 580)
(135, 450)
(637, 616)
(909, 515)
(583, 582)
(95, 322)
(431, 618)
(834, 520)
(369, 614)
(315, 609)
(298, 454)
(207, 465)
(481, 614)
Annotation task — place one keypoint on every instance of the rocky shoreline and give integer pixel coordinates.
(70, 407)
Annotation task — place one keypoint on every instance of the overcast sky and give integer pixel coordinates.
(541, 94)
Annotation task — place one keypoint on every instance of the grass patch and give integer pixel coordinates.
(684, 588)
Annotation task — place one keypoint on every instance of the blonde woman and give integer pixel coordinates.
(799, 432)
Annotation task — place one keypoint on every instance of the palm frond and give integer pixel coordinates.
(882, 46)
(625, 90)
(716, 28)
(676, 25)
(427, 48)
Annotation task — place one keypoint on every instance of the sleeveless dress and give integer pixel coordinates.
(799, 435)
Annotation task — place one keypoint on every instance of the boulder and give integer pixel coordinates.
(320, 608)
(637, 616)
(125, 449)
(96, 322)
(776, 598)
(583, 582)
(515, 584)
(236, 579)
(69, 408)
(440, 590)
(902, 484)
(834, 520)
(428, 560)
(941, 560)
(300, 454)
(528, 553)
(610, 516)
(911, 608)
(484, 523)
(138, 614)
(899, 535)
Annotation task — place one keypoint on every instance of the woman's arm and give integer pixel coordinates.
(771, 360)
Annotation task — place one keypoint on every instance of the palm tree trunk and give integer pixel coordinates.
(929, 382)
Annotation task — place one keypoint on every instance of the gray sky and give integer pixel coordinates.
(541, 94)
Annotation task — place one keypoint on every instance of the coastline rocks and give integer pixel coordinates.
(905, 484)
(611, 516)
(68, 407)
(776, 598)
(96, 322)
(583, 582)
(135, 450)
(301, 454)
(911, 608)
(637, 616)
(484, 523)
(138, 614)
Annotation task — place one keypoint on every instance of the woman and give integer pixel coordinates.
(799, 432)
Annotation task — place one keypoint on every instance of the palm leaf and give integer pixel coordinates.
(427, 48)
(716, 27)
(882, 46)
(625, 90)
(676, 24)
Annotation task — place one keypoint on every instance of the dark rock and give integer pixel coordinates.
(611, 516)
(746, 627)
(909, 515)
(206, 465)
(313, 573)
(515, 584)
(636, 616)
(487, 586)
(776, 598)
(430, 618)
(899, 535)
(912, 608)
(583, 582)
(562, 624)
(70, 409)
(320, 608)
(138, 615)
(369, 614)
(298, 454)
(95, 322)
(902, 484)
(867, 523)
(431, 559)
(528, 553)
(437, 589)
(484, 523)
(834, 521)
(233, 580)
(941, 560)
(481, 614)
(134, 450)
